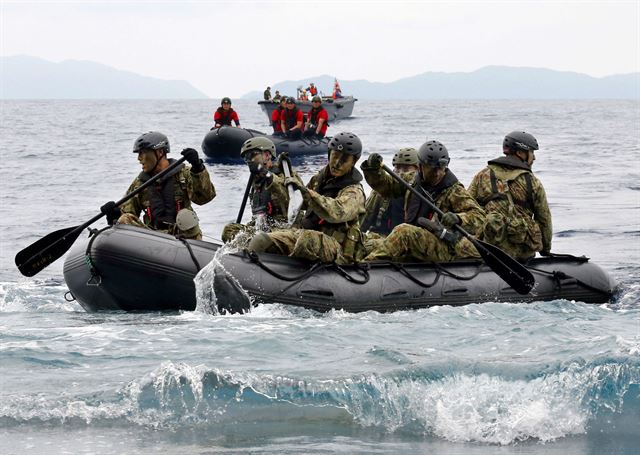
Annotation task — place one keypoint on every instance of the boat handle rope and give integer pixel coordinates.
(363, 269)
(558, 276)
(190, 250)
(95, 279)
(253, 256)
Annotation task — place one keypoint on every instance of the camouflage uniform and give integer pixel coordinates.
(269, 206)
(518, 216)
(410, 242)
(329, 230)
(186, 188)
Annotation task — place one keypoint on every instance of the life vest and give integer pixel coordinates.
(330, 187)
(225, 116)
(496, 195)
(313, 116)
(415, 207)
(162, 201)
(290, 117)
(262, 202)
(313, 90)
(386, 214)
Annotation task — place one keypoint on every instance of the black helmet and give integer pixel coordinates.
(347, 143)
(291, 100)
(434, 154)
(152, 140)
(258, 143)
(519, 140)
(316, 98)
(407, 155)
(226, 99)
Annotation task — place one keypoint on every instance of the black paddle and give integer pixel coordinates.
(45, 251)
(515, 274)
(244, 198)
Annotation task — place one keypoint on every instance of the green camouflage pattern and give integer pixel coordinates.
(519, 231)
(280, 200)
(408, 243)
(343, 244)
(189, 188)
(376, 204)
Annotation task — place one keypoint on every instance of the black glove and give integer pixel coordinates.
(373, 163)
(450, 219)
(194, 160)
(545, 253)
(439, 230)
(260, 173)
(112, 211)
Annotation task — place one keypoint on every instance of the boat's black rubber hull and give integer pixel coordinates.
(224, 144)
(337, 109)
(140, 270)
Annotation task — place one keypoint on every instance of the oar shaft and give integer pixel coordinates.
(244, 198)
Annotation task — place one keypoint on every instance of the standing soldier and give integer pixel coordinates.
(334, 200)
(269, 196)
(518, 215)
(224, 115)
(421, 237)
(166, 206)
(267, 94)
(383, 213)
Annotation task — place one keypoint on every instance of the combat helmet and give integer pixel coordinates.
(347, 143)
(153, 140)
(520, 141)
(407, 155)
(433, 154)
(257, 143)
(226, 99)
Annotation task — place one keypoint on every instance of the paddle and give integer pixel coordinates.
(48, 249)
(247, 190)
(515, 274)
(295, 198)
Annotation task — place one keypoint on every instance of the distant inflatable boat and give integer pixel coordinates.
(223, 144)
(132, 269)
(339, 108)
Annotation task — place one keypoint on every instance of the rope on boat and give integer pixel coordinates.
(193, 256)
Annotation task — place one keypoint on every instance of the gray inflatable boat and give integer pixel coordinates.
(131, 269)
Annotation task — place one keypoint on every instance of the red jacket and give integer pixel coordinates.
(223, 117)
(291, 117)
(315, 116)
(275, 120)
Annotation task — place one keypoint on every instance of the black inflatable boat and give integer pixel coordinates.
(223, 144)
(132, 269)
(336, 108)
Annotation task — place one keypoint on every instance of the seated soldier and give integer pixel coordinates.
(518, 215)
(268, 195)
(317, 120)
(385, 213)
(167, 204)
(421, 238)
(291, 120)
(333, 202)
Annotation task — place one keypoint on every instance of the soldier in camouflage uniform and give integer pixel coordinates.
(385, 213)
(333, 202)
(518, 216)
(268, 195)
(166, 206)
(422, 237)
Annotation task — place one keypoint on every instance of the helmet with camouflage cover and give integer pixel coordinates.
(407, 155)
(433, 154)
(258, 143)
(153, 140)
(517, 141)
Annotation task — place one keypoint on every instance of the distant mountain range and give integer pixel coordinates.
(490, 82)
(24, 77)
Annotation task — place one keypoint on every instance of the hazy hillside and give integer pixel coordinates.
(24, 77)
(490, 82)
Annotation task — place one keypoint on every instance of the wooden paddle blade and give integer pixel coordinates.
(511, 271)
(45, 251)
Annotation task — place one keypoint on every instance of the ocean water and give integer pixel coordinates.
(556, 377)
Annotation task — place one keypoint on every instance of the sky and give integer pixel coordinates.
(231, 48)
